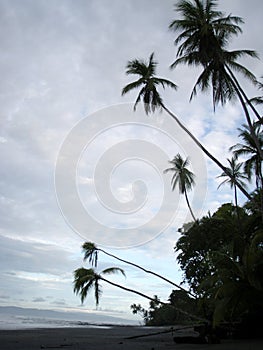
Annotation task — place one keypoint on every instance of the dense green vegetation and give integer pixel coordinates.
(221, 255)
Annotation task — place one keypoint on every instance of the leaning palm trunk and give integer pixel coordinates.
(236, 249)
(206, 151)
(244, 94)
(189, 207)
(152, 299)
(239, 92)
(147, 271)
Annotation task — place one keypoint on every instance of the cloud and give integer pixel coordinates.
(38, 300)
(59, 302)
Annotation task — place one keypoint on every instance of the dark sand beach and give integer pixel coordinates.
(108, 338)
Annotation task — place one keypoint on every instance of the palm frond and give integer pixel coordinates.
(132, 86)
(90, 253)
(113, 270)
(83, 281)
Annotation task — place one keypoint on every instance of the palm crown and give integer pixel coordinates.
(148, 83)
(204, 36)
(182, 177)
(86, 279)
(249, 148)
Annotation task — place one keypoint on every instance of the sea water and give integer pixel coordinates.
(21, 318)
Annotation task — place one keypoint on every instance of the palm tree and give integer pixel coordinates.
(86, 279)
(248, 148)
(91, 254)
(258, 100)
(235, 169)
(182, 177)
(205, 33)
(152, 99)
(147, 79)
(253, 163)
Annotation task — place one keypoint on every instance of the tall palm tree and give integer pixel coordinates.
(91, 252)
(236, 170)
(183, 177)
(204, 35)
(148, 82)
(248, 148)
(258, 100)
(86, 279)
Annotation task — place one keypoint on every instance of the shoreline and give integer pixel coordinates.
(115, 337)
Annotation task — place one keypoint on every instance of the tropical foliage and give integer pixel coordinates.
(161, 315)
(228, 288)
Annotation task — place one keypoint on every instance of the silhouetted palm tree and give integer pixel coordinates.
(253, 163)
(182, 177)
(87, 279)
(148, 83)
(248, 148)
(91, 254)
(205, 33)
(258, 100)
(236, 170)
(152, 100)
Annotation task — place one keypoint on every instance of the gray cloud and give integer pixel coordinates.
(38, 300)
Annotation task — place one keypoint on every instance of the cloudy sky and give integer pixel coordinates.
(64, 123)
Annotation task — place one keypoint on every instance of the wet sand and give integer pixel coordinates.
(108, 338)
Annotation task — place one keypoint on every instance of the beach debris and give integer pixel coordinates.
(59, 346)
(170, 330)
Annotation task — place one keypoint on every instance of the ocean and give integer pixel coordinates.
(24, 318)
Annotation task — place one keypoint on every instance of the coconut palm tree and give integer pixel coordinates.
(235, 169)
(148, 82)
(248, 148)
(258, 100)
(91, 252)
(182, 177)
(204, 35)
(87, 279)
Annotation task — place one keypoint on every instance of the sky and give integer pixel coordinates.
(77, 164)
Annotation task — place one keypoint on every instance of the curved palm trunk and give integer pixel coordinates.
(147, 271)
(207, 152)
(236, 248)
(235, 192)
(239, 94)
(150, 298)
(260, 187)
(188, 204)
(244, 94)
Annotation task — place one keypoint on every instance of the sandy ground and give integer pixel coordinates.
(110, 338)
